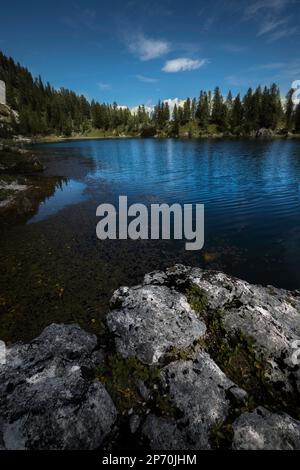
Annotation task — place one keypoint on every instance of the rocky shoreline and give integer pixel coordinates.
(22, 183)
(192, 359)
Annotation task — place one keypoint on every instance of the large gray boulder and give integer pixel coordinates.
(262, 430)
(234, 350)
(267, 316)
(48, 396)
(152, 319)
(201, 392)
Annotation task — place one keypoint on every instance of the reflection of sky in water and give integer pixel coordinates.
(70, 192)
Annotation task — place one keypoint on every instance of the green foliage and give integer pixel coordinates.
(44, 110)
(120, 375)
(221, 435)
(197, 298)
(177, 354)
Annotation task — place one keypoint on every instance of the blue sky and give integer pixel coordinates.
(136, 52)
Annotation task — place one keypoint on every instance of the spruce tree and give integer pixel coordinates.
(289, 111)
(297, 119)
(236, 115)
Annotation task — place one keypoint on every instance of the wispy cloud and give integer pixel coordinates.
(183, 64)
(147, 48)
(144, 79)
(269, 66)
(232, 48)
(80, 17)
(283, 33)
(272, 25)
(104, 86)
(265, 74)
(256, 7)
(237, 81)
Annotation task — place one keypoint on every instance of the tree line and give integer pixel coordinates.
(43, 110)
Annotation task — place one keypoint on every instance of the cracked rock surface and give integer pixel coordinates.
(233, 378)
(48, 397)
(264, 430)
(194, 359)
(151, 321)
(198, 389)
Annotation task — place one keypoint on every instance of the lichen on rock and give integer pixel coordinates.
(193, 359)
(49, 398)
(152, 319)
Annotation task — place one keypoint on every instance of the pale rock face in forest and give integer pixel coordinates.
(2, 92)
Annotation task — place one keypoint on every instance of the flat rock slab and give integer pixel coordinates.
(150, 320)
(48, 397)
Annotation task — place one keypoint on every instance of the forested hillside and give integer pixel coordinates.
(43, 110)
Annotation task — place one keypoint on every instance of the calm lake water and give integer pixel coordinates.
(55, 269)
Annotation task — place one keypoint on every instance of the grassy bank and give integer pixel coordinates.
(189, 131)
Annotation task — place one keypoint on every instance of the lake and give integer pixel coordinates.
(54, 269)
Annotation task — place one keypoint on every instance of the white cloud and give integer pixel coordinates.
(182, 64)
(256, 7)
(146, 48)
(104, 86)
(172, 101)
(283, 33)
(144, 79)
(148, 109)
(270, 25)
(269, 15)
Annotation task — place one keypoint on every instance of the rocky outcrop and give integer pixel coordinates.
(193, 359)
(48, 396)
(265, 133)
(264, 430)
(152, 319)
(201, 392)
(18, 160)
(214, 376)
(22, 185)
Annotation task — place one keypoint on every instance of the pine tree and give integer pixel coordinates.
(202, 110)
(297, 119)
(289, 111)
(236, 114)
(217, 116)
(175, 122)
(187, 111)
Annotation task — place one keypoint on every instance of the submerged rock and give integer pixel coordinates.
(48, 396)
